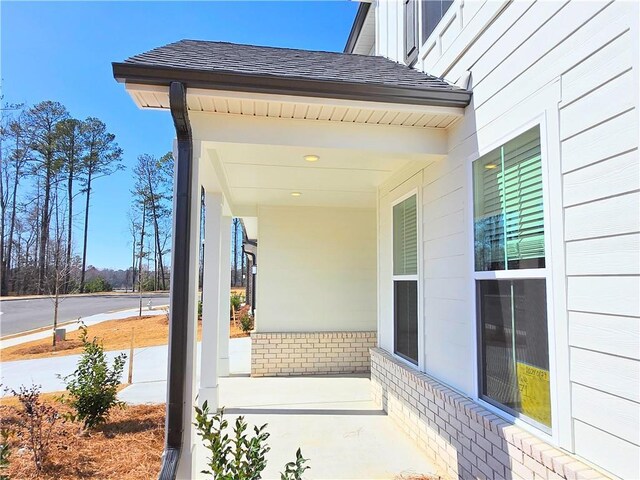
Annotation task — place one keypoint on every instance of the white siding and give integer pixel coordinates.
(573, 68)
(316, 264)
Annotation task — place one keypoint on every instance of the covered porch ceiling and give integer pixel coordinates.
(256, 112)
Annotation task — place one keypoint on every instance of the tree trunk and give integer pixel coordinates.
(144, 215)
(67, 280)
(9, 277)
(44, 229)
(86, 230)
(133, 263)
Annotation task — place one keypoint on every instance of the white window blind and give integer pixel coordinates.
(405, 237)
(509, 217)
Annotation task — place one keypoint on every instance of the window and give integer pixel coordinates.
(405, 279)
(410, 8)
(511, 279)
(432, 13)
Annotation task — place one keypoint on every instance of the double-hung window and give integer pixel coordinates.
(510, 274)
(405, 279)
(430, 12)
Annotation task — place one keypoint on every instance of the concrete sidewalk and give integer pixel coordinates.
(149, 371)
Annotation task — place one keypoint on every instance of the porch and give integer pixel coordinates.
(303, 153)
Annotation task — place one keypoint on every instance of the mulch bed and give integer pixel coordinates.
(128, 446)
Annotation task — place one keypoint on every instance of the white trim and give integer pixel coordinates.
(511, 274)
(542, 273)
(418, 277)
(525, 425)
(562, 425)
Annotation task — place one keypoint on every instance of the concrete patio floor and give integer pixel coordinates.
(332, 419)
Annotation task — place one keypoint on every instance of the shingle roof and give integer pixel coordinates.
(286, 71)
(286, 62)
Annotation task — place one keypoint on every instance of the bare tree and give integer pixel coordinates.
(71, 144)
(103, 158)
(154, 179)
(41, 120)
(15, 148)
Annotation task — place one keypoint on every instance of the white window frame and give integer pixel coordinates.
(418, 277)
(550, 434)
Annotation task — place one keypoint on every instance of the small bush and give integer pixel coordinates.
(295, 470)
(237, 300)
(93, 386)
(37, 420)
(241, 457)
(199, 308)
(246, 322)
(97, 285)
(5, 453)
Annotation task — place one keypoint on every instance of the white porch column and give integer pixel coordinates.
(225, 284)
(210, 301)
(186, 465)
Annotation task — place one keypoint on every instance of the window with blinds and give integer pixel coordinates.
(512, 312)
(405, 237)
(508, 211)
(405, 279)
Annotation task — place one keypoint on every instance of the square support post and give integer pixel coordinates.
(186, 464)
(210, 301)
(225, 291)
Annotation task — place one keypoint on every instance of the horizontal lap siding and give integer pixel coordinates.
(448, 347)
(601, 180)
(520, 54)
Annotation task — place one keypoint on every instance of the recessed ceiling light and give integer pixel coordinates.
(490, 166)
(311, 158)
(295, 194)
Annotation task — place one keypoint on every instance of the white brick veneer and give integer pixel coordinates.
(312, 353)
(463, 439)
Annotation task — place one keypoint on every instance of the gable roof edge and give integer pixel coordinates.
(356, 28)
(287, 85)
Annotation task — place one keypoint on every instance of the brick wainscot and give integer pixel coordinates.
(313, 353)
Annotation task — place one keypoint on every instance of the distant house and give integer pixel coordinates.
(453, 204)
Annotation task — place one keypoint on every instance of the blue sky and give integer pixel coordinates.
(63, 51)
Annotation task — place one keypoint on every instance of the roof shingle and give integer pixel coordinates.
(288, 63)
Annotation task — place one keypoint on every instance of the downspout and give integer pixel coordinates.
(253, 245)
(180, 284)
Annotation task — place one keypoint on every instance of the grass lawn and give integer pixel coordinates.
(128, 446)
(114, 334)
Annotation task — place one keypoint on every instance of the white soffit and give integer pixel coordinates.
(302, 108)
(266, 175)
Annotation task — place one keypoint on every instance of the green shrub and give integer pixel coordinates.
(97, 285)
(199, 308)
(93, 386)
(237, 300)
(246, 322)
(295, 470)
(242, 457)
(5, 453)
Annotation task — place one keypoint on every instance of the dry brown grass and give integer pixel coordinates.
(11, 401)
(114, 335)
(128, 446)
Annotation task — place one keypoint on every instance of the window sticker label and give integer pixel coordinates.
(533, 385)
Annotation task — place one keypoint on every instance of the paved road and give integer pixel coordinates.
(23, 315)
